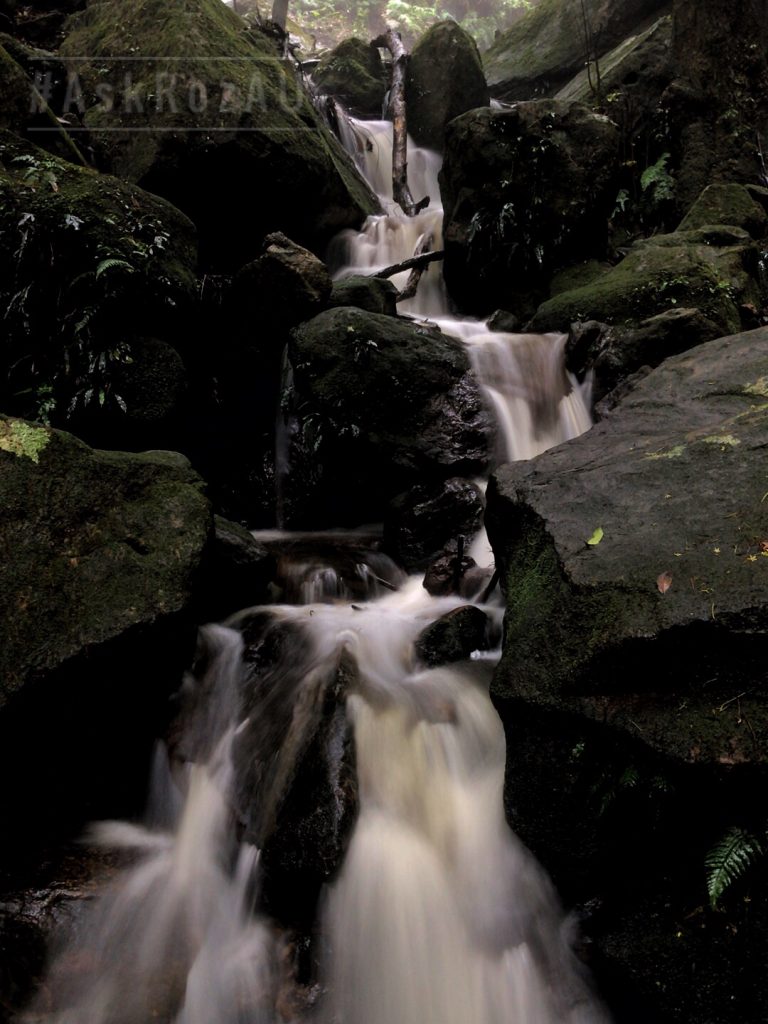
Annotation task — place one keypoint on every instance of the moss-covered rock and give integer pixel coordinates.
(526, 191)
(727, 204)
(382, 404)
(97, 586)
(685, 269)
(353, 73)
(16, 92)
(102, 543)
(546, 48)
(374, 294)
(445, 79)
(214, 122)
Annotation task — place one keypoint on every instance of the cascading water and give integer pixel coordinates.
(438, 915)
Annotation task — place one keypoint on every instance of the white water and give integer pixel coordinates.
(439, 914)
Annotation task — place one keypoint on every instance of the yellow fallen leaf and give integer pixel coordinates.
(596, 537)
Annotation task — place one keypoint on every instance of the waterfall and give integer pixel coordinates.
(438, 915)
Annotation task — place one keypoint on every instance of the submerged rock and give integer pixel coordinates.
(453, 637)
(526, 191)
(353, 74)
(445, 79)
(383, 404)
(267, 163)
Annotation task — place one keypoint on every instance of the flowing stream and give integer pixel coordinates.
(438, 915)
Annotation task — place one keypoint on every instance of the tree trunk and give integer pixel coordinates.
(400, 189)
(280, 13)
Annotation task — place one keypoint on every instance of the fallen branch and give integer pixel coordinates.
(400, 189)
(413, 261)
(423, 247)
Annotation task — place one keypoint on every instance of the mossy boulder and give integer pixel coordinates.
(214, 122)
(102, 556)
(714, 271)
(445, 79)
(526, 191)
(541, 52)
(374, 294)
(727, 204)
(86, 263)
(353, 74)
(381, 404)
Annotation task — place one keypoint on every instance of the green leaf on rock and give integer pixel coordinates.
(596, 537)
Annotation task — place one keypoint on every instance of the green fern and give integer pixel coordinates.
(111, 264)
(728, 860)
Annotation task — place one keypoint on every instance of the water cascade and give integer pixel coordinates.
(438, 915)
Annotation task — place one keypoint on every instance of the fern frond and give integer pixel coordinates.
(728, 860)
(111, 264)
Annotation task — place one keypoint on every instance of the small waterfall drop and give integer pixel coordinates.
(438, 915)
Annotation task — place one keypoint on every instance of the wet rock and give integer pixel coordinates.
(711, 270)
(353, 73)
(449, 574)
(508, 185)
(445, 79)
(295, 765)
(615, 353)
(453, 637)
(239, 571)
(504, 321)
(663, 619)
(540, 53)
(727, 204)
(276, 148)
(286, 285)
(422, 521)
(373, 294)
(384, 404)
(98, 617)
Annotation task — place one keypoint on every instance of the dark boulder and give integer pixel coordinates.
(671, 585)
(103, 554)
(445, 79)
(353, 74)
(382, 404)
(286, 285)
(267, 164)
(238, 573)
(615, 354)
(422, 521)
(450, 573)
(373, 294)
(453, 637)
(527, 191)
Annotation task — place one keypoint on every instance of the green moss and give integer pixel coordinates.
(23, 439)
(726, 204)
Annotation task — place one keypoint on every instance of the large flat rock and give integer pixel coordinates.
(659, 630)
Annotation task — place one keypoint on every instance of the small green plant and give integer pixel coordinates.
(657, 181)
(729, 860)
